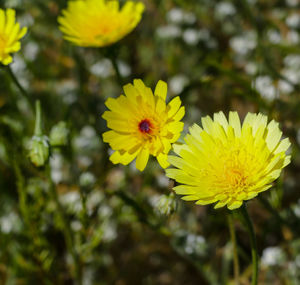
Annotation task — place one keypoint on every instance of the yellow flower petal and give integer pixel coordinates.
(98, 23)
(234, 121)
(10, 34)
(142, 159)
(162, 160)
(161, 90)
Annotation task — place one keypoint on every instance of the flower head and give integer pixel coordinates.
(228, 163)
(10, 34)
(98, 23)
(142, 124)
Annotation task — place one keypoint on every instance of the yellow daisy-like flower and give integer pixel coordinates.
(98, 23)
(142, 124)
(228, 163)
(10, 34)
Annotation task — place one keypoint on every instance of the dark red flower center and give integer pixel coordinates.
(145, 126)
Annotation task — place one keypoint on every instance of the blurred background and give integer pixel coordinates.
(125, 227)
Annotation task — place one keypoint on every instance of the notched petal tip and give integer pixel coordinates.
(163, 160)
(161, 89)
(234, 205)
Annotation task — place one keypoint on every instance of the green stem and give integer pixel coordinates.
(141, 213)
(248, 224)
(269, 207)
(84, 212)
(66, 228)
(22, 193)
(116, 68)
(19, 86)
(32, 230)
(38, 119)
(236, 267)
(112, 54)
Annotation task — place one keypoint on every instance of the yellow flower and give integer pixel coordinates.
(10, 34)
(142, 124)
(98, 23)
(228, 163)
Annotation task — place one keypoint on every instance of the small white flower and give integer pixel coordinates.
(124, 68)
(195, 244)
(272, 256)
(224, 9)
(191, 36)
(179, 16)
(285, 87)
(102, 68)
(292, 61)
(177, 83)
(251, 68)
(168, 32)
(87, 179)
(293, 21)
(9, 223)
(71, 200)
(274, 36)
(293, 37)
(292, 3)
(31, 50)
(245, 43)
(175, 15)
(265, 87)
(291, 74)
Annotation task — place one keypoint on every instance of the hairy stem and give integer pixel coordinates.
(66, 228)
(20, 87)
(236, 266)
(117, 70)
(249, 226)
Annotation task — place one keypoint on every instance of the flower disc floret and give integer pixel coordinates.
(227, 163)
(10, 35)
(142, 124)
(98, 23)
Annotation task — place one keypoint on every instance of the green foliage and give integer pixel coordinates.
(81, 218)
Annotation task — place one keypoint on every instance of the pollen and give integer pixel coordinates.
(234, 174)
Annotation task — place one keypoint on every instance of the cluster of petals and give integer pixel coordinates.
(142, 124)
(227, 163)
(10, 35)
(223, 162)
(98, 23)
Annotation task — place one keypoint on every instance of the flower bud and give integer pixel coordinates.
(39, 144)
(39, 150)
(166, 204)
(87, 179)
(59, 134)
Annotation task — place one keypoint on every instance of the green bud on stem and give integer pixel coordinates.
(59, 134)
(39, 144)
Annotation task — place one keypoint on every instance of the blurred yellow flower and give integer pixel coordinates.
(142, 124)
(228, 163)
(98, 23)
(10, 34)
